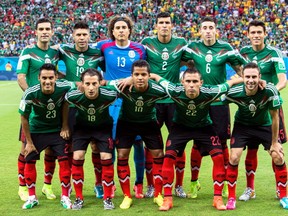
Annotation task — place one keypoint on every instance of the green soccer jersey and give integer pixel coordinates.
(139, 106)
(165, 58)
(254, 110)
(76, 62)
(31, 59)
(269, 60)
(92, 113)
(44, 110)
(193, 112)
(211, 60)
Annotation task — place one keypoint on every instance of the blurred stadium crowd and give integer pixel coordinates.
(18, 19)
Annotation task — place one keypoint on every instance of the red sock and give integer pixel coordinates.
(251, 163)
(218, 173)
(231, 177)
(180, 168)
(195, 162)
(30, 176)
(97, 168)
(64, 175)
(157, 173)
(281, 179)
(78, 177)
(148, 167)
(107, 176)
(168, 171)
(123, 171)
(21, 167)
(49, 167)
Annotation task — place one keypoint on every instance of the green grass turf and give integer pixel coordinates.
(10, 204)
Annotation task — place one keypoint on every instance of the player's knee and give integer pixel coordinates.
(234, 159)
(277, 159)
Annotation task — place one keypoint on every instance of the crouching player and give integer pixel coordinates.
(93, 123)
(41, 110)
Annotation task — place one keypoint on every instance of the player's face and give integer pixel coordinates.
(256, 35)
(164, 27)
(91, 86)
(47, 80)
(208, 31)
(81, 38)
(251, 77)
(140, 77)
(44, 32)
(121, 31)
(192, 84)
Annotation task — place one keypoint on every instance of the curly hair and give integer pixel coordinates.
(117, 18)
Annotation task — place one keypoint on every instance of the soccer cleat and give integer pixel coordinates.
(194, 188)
(66, 202)
(48, 192)
(167, 204)
(218, 203)
(126, 203)
(180, 192)
(225, 190)
(78, 204)
(98, 189)
(231, 204)
(23, 193)
(108, 204)
(150, 191)
(248, 194)
(138, 189)
(284, 202)
(31, 202)
(113, 191)
(158, 200)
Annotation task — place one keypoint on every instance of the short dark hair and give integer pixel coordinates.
(91, 72)
(251, 65)
(81, 25)
(208, 19)
(191, 70)
(43, 20)
(163, 15)
(118, 18)
(48, 66)
(257, 23)
(141, 63)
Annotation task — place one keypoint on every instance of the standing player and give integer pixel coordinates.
(77, 58)
(191, 121)
(138, 117)
(272, 69)
(164, 54)
(119, 54)
(253, 126)
(93, 123)
(210, 57)
(30, 61)
(41, 112)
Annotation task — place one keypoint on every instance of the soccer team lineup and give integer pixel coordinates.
(117, 94)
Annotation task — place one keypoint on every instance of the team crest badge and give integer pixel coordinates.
(252, 107)
(50, 106)
(131, 54)
(47, 61)
(208, 58)
(165, 56)
(139, 103)
(191, 107)
(91, 111)
(80, 62)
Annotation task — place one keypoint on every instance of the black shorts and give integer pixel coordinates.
(220, 116)
(42, 140)
(251, 136)
(102, 136)
(165, 113)
(205, 137)
(149, 131)
(282, 128)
